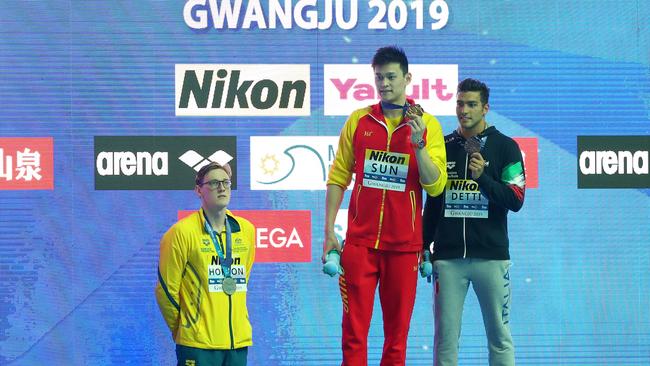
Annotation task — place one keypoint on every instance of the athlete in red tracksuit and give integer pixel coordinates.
(394, 151)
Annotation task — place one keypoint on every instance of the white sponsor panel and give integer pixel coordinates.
(291, 162)
(243, 90)
(352, 86)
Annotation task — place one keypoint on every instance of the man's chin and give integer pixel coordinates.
(219, 204)
(468, 125)
(390, 100)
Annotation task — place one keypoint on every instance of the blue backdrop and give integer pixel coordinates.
(78, 265)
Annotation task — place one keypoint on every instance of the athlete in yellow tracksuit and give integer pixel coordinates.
(208, 325)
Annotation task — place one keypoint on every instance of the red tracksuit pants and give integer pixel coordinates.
(396, 273)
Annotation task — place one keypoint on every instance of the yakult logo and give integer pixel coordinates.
(349, 87)
(26, 163)
(242, 90)
(282, 236)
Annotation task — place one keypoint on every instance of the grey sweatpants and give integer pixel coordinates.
(491, 282)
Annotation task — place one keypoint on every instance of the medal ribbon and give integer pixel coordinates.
(404, 108)
(226, 261)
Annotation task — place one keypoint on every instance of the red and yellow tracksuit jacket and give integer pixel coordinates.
(385, 210)
(188, 292)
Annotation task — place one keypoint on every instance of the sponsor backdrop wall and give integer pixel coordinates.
(108, 108)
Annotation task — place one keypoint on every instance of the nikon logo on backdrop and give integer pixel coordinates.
(613, 162)
(158, 162)
(243, 90)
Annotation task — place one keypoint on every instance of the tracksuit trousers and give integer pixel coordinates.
(491, 282)
(396, 273)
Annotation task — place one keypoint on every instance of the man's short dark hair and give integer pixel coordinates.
(210, 167)
(388, 54)
(473, 85)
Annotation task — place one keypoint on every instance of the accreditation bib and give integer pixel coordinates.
(464, 199)
(385, 170)
(216, 278)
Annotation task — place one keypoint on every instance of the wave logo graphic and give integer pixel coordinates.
(291, 162)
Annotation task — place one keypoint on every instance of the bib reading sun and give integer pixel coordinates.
(385, 170)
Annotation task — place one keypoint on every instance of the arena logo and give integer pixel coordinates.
(26, 163)
(243, 90)
(291, 162)
(157, 162)
(613, 162)
(197, 161)
(129, 163)
(281, 236)
(349, 87)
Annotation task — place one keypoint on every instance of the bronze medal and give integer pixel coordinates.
(473, 145)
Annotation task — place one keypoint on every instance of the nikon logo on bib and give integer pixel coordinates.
(613, 162)
(385, 170)
(464, 199)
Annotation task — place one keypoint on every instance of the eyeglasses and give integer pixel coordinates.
(214, 184)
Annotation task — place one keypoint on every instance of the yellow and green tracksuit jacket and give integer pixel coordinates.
(385, 210)
(188, 292)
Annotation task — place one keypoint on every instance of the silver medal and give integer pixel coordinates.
(229, 285)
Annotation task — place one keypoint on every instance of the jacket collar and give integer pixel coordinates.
(234, 225)
(378, 113)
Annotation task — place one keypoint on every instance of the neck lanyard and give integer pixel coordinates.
(404, 108)
(226, 261)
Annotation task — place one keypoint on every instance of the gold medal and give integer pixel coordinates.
(229, 285)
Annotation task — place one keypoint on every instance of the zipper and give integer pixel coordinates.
(383, 191)
(464, 218)
(232, 337)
